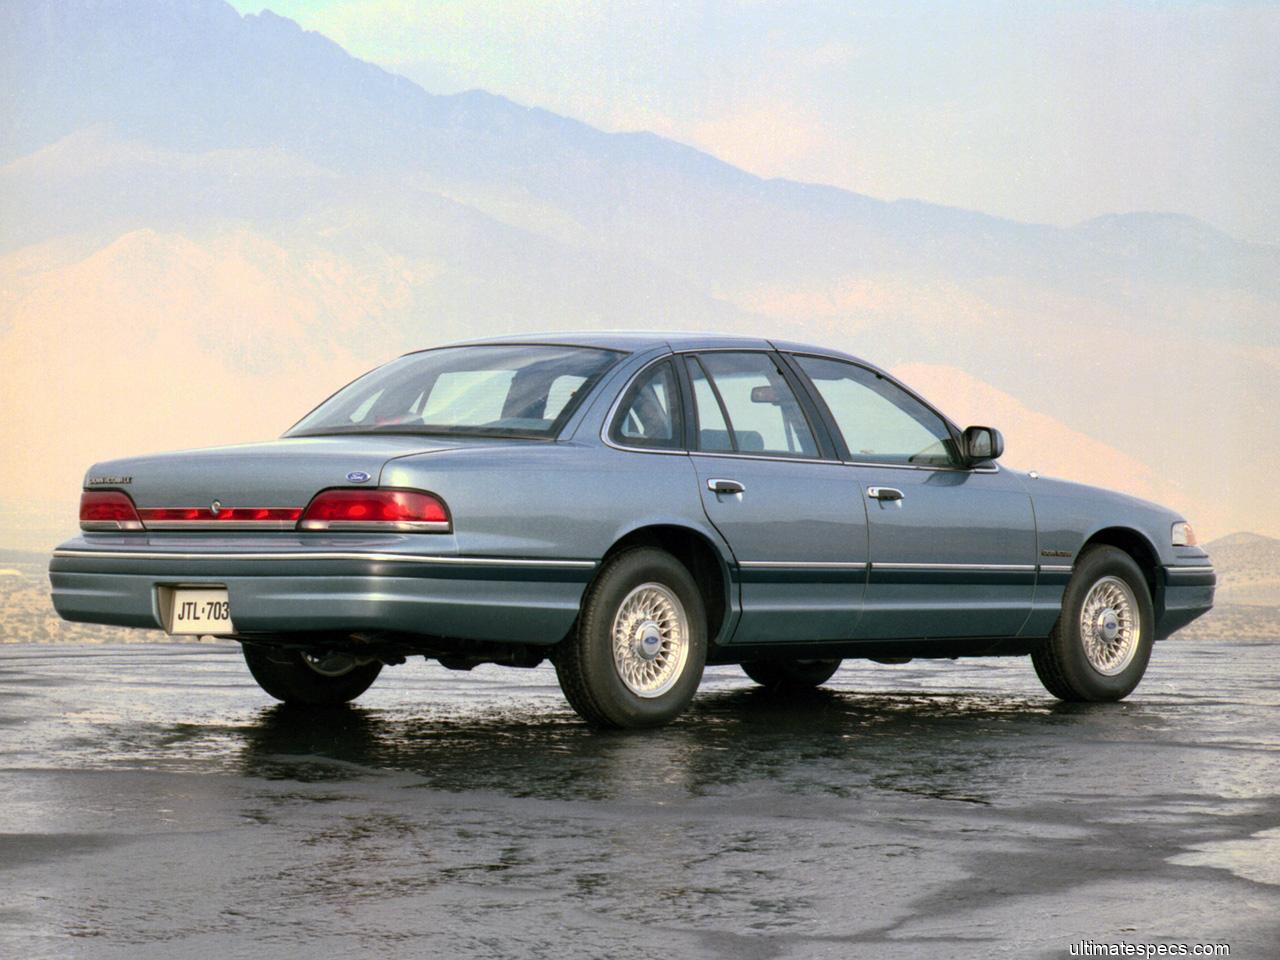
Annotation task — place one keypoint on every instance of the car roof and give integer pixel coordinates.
(637, 341)
(634, 341)
(629, 340)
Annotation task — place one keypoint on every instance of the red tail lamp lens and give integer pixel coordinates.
(376, 509)
(108, 510)
(224, 514)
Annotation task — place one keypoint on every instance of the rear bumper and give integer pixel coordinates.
(1187, 594)
(327, 587)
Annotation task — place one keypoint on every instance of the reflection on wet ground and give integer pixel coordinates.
(155, 804)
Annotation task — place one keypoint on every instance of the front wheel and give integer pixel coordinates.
(321, 679)
(790, 676)
(1100, 646)
(637, 655)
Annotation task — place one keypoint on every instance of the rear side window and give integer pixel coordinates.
(757, 409)
(649, 415)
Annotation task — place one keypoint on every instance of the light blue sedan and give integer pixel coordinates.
(633, 507)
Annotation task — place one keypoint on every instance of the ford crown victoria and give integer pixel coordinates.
(631, 507)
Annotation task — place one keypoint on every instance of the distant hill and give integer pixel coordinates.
(186, 189)
(25, 557)
(27, 614)
(193, 77)
(1248, 567)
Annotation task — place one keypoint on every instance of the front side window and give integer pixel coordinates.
(756, 412)
(509, 390)
(649, 414)
(880, 421)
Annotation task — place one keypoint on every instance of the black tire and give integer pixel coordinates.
(1062, 663)
(288, 675)
(790, 676)
(585, 662)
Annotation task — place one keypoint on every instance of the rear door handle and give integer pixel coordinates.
(884, 494)
(725, 486)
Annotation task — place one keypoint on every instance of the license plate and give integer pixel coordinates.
(195, 610)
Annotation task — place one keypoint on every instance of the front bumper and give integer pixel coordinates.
(1187, 594)
(297, 585)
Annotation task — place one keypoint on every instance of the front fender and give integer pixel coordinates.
(1069, 515)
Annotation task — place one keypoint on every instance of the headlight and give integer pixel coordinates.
(1183, 535)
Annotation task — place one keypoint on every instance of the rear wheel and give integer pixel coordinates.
(786, 676)
(637, 656)
(312, 679)
(1101, 644)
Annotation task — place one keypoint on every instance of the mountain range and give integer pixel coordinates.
(211, 220)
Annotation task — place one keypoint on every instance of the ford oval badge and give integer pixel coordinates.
(357, 476)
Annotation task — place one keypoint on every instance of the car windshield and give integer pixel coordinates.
(505, 390)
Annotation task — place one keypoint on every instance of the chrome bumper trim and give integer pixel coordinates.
(331, 555)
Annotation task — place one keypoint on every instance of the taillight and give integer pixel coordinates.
(344, 509)
(108, 510)
(224, 515)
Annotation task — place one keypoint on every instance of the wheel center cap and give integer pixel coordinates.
(1108, 625)
(648, 639)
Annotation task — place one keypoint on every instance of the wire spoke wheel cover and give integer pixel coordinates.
(1099, 649)
(636, 657)
(650, 640)
(1110, 627)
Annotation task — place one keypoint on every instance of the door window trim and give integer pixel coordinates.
(695, 439)
(843, 452)
(813, 415)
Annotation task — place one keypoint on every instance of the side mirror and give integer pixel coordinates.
(982, 444)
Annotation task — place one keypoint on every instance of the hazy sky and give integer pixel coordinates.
(1037, 111)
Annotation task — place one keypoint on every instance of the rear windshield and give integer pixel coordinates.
(499, 390)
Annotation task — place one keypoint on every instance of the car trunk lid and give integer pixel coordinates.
(254, 485)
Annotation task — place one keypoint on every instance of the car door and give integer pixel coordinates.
(771, 485)
(952, 548)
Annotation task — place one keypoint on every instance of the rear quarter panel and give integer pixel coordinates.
(554, 500)
(571, 499)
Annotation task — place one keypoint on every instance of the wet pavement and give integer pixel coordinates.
(153, 803)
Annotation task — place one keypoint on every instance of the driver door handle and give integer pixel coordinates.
(884, 494)
(725, 486)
